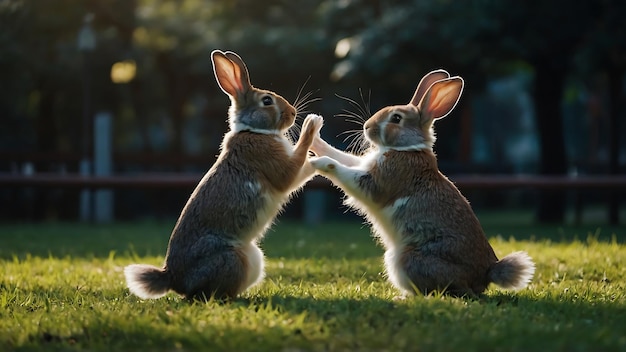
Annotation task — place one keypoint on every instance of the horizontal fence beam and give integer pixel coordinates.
(188, 180)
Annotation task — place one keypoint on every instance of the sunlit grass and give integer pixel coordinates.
(62, 288)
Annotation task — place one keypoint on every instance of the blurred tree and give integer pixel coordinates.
(39, 69)
(486, 38)
(175, 39)
(341, 45)
(605, 49)
(549, 48)
(40, 72)
(171, 41)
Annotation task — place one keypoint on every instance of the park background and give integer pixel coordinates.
(544, 100)
(544, 92)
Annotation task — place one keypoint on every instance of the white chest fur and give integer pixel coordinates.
(271, 203)
(381, 217)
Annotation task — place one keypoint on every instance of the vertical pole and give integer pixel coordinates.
(314, 206)
(103, 165)
(85, 194)
(86, 44)
(85, 162)
(615, 92)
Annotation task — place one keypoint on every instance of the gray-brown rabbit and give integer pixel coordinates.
(213, 247)
(433, 240)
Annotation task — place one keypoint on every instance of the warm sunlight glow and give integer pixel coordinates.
(123, 71)
(342, 48)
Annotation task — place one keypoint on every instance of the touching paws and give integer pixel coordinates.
(324, 164)
(312, 125)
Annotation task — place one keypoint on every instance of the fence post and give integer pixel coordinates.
(314, 206)
(103, 165)
(85, 194)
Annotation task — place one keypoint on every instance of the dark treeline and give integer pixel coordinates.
(544, 80)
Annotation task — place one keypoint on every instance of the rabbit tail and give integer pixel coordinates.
(513, 271)
(147, 281)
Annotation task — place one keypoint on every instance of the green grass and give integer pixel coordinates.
(62, 288)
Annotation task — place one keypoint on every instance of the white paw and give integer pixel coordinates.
(324, 164)
(401, 297)
(314, 122)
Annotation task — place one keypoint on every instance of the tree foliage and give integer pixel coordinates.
(382, 47)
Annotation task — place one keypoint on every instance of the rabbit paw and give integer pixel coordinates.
(399, 298)
(312, 124)
(324, 164)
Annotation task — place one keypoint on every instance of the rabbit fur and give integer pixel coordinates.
(433, 241)
(213, 251)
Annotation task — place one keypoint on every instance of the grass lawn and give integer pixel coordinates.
(62, 288)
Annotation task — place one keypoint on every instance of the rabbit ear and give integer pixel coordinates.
(441, 98)
(426, 82)
(231, 73)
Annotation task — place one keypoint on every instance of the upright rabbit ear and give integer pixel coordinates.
(231, 72)
(426, 82)
(441, 97)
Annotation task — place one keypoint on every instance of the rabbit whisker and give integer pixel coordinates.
(362, 111)
(351, 118)
(357, 146)
(300, 91)
(358, 122)
(348, 113)
(301, 109)
(300, 104)
(351, 138)
(357, 141)
(303, 100)
(294, 131)
(350, 133)
(366, 104)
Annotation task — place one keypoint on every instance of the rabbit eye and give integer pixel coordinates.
(395, 118)
(267, 100)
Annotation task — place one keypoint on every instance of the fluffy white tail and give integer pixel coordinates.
(513, 271)
(146, 281)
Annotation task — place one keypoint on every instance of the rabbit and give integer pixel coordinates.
(433, 241)
(213, 251)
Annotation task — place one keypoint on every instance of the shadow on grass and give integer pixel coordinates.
(501, 321)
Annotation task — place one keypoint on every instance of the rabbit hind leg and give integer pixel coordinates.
(253, 258)
(429, 273)
(219, 270)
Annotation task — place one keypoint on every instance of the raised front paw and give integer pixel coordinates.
(324, 164)
(312, 126)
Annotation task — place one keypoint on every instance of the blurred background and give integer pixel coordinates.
(126, 87)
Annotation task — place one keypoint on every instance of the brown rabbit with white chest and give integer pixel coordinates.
(213, 247)
(432, 238)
